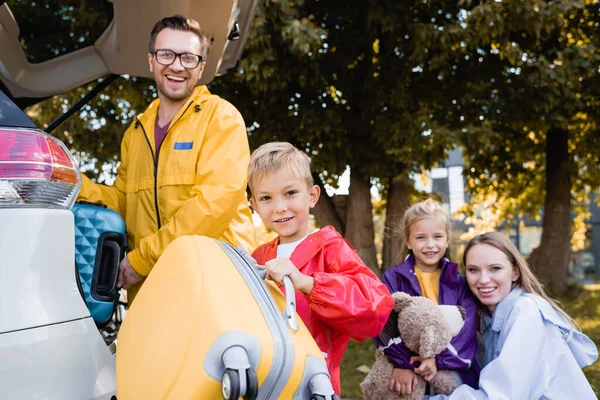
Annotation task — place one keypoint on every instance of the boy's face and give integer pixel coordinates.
(282, 200)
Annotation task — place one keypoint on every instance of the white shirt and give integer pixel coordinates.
(285, 250)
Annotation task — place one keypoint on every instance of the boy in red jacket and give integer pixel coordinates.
(337, 296)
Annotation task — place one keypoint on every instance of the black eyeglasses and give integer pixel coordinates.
(167, 57)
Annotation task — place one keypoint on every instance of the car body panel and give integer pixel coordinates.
(37, 269)
(67, 361)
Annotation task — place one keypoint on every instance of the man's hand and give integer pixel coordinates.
(427, 369)
(403, 381)
(127, 275)
(280, 267)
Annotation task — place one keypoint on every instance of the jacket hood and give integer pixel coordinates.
(583, 348)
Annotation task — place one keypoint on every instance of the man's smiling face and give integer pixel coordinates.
(174, 82)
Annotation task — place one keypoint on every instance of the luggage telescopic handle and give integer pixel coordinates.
(290, 298)
(290, 303)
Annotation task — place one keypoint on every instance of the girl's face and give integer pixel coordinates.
(428, 241)
(490, 274)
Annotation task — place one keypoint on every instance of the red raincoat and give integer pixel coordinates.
(348, 300)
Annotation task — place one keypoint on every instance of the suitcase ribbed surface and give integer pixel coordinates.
(90, 223)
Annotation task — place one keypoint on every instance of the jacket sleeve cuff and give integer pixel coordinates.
(398, 365)
(87, 189)
(315, 294)
(137, 262)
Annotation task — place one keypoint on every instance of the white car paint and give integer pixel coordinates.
(50, 347)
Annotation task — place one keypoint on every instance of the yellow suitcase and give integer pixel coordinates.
(205, 325)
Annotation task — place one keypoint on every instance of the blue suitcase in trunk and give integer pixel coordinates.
(100, 242)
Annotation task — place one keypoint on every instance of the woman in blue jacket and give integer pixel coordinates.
(531, 349)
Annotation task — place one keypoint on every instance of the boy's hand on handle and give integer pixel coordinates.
(403, 381)
(280, 267)
(427, 369)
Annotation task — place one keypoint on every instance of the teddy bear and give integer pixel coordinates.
(426, 329)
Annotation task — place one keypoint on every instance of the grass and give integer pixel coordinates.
(583, 305)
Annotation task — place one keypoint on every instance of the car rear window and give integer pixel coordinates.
(11, 115)
(51, 28)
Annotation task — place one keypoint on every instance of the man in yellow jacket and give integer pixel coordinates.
(183, 161)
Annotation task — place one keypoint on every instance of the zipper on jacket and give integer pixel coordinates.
(155, 159)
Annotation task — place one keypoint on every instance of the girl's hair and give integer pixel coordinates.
(427, 208)
(526, 279)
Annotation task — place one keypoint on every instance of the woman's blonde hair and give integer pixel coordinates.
(527, 280)
(422, 209)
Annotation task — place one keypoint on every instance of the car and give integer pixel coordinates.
(50, 346)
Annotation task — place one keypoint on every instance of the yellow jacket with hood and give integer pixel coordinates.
(194, 184)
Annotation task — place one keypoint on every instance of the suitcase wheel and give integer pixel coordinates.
(321, 388)
(252, 385)
(231, 385)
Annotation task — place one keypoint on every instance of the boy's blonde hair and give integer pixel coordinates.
(527, 280)
(428, 208)
(274, 156)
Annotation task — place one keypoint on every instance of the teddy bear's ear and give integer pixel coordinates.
(401, 300)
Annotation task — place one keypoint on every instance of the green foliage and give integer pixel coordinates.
(528, 68)
(278, 87)
(51, 28)
(339, 79)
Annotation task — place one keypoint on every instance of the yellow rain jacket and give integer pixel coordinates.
(195, 186)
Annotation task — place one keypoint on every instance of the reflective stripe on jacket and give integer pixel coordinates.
(195, 184)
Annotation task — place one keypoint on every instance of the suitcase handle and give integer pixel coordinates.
(290, 303)
(290, 298)
(107, 272)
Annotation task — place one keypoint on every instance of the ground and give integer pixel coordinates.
(582, 304)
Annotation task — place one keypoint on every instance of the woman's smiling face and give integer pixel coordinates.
(490, 274)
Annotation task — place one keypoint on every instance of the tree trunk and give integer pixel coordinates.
(397, 202)
(325, 211)
(549, 260)
(360, 231)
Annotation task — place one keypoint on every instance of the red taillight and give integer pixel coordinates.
(16, 145)
(35, 170)
(63, 170)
